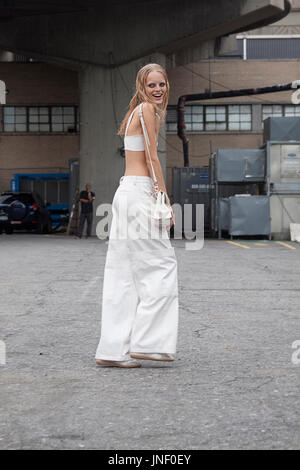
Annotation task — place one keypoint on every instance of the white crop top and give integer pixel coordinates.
(134, 142)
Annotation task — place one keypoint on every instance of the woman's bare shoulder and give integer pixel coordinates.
(149, 111)
(147, 106)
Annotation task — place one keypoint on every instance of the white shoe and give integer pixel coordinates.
(130, 364)
(163, 357)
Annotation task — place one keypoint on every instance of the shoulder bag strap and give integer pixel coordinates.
(146, 140)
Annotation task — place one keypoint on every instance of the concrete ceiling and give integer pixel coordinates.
(10, 9)
(116, 32)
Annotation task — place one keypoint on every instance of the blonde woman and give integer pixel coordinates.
(140, 289)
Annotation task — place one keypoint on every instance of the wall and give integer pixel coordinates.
(37, 84)
(232, 75)
(225, 74)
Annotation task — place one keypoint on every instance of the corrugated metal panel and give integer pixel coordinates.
(273, 48)
(224, 213)
(191, 186)
(249, 215)
(240, 48)
(237, 165)
(282, 129)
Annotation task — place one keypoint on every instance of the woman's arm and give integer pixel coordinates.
(149, 118)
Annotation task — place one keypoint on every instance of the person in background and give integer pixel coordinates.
(86, 198)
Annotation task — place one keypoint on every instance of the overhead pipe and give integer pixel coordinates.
(181, 127)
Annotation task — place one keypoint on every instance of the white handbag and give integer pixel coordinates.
(159, 209)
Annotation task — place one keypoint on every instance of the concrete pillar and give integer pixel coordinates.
(104, 98)
(257, 118)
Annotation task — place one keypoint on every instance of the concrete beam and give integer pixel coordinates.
(120, 32)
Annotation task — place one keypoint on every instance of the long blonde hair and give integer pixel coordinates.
(141, 96)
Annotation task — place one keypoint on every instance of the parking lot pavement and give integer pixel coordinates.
(233, 385)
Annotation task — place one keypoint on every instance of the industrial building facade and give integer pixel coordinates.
(39, 130)
(270, 58)
(40, 123)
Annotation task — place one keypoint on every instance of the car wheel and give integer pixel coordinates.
(9, 230)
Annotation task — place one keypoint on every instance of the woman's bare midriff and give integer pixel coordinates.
(136, 161)
(136, 164)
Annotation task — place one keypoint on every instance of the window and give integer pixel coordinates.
(9, 198)
(14, 119)
(240, 117)
(6, 199)
(291, 110)
(40, 119)
(63, 118)
(215, 118)
(272, 111)
(193, 116)
(212, 118)
(25, 198)
(279, 110)
(171, 120)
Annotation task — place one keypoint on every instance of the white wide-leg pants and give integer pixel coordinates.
(140, 287)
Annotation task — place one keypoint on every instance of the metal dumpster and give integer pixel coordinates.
(192, 186)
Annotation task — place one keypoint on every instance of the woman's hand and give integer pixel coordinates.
(173, 218)
(172, 212)
(156, 189)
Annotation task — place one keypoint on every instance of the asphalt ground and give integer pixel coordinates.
(236, 379)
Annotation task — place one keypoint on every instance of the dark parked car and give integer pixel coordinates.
(23, 210)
